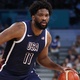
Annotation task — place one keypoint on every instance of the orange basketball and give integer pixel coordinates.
(68, 75)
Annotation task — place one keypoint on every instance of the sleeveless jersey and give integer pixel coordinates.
(20, 55)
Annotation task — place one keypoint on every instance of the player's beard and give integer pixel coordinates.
(39, 26)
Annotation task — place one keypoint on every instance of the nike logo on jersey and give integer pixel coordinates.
(29, 35)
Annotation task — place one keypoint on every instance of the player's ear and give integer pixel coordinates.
(33, 17)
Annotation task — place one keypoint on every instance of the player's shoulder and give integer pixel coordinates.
(48, 34)
(18, 26)
(49, 37)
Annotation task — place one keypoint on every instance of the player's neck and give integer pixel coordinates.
(35, 30)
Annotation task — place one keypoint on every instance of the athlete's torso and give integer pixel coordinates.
(21, 55)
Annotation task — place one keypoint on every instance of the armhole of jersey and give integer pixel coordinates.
(45, 38)
(23, 34)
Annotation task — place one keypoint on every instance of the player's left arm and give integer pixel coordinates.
(44, 60)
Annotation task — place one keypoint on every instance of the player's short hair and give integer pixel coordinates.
(40, 4)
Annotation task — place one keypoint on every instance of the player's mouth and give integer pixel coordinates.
(43, 23)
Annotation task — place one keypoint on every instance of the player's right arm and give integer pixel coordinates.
(16, 30)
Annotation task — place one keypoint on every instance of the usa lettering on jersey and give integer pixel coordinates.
(33, 46)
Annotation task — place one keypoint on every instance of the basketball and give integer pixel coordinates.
(68, 75)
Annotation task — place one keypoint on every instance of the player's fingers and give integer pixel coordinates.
(2, 60)
(68, 68)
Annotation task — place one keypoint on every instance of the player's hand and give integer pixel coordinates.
(1, 62)
(68, 68)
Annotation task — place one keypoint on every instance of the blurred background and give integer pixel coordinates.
(64, 23)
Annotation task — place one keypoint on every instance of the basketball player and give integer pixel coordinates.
(27, 42)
